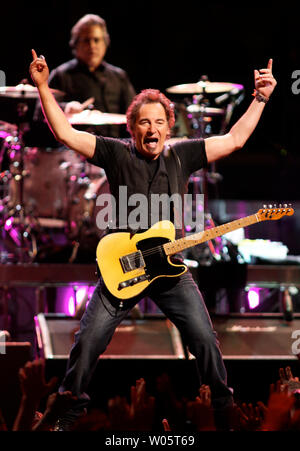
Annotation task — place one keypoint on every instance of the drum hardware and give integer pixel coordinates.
(198, 118)
(18, 227)
(35, 173)
(21, 228)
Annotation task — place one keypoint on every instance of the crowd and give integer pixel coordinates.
(161, 411)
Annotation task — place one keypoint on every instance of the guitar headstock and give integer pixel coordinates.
(273, 212)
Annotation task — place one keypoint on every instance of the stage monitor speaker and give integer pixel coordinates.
(258, 336)
(147, 338)
(13, 356)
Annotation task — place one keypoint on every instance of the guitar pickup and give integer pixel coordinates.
(133, 281)
(133, 261)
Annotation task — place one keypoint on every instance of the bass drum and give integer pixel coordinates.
(48, 174)
(84, 229)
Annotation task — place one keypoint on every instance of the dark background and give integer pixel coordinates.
(161, 44)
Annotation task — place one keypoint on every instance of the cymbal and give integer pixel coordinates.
(25, 91)
(206, 111)
(203, 87)
(95, 117)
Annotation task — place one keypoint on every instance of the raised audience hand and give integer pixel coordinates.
(138, 415)
(142, 406)
(33, 388)
(249, 417)
(279, 408)
(287, 378)
(200, 411)
(166, 425)
(32, 380)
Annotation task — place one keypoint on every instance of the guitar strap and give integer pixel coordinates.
(174, 170)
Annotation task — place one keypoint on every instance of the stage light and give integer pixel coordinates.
(78, 293)
(71, 306)
(253, 297)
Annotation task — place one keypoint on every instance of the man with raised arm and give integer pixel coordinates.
(142, 167)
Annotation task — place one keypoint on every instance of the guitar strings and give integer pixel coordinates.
(159, 248)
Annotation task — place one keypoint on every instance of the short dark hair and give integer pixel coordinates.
(149, 96)
(87, 21)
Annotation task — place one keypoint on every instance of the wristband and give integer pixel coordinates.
(260, 97)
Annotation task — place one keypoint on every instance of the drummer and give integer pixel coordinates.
(88, 80)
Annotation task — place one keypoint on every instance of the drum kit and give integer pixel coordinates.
(48, 195)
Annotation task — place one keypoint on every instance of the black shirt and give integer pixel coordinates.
(132, 177)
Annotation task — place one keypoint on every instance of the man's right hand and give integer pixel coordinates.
(38, 70)
(76, 107)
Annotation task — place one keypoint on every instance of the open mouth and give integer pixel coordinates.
(151, 142)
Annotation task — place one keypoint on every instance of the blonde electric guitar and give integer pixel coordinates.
(130, 263)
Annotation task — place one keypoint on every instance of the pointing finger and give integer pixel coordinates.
(34, 55)
(270, 64)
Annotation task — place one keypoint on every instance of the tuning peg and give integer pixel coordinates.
(264, 206)
(270, 206)
(285, 205)
(280, 205)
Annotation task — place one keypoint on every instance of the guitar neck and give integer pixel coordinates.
(192, 240)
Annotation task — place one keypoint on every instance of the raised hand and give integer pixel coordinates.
(119, 414)
(38, 69)
(264, 80)
(249, 417)
(287, 378)
(33, 388)
(166, 426)
(138, 415)
(200, 411)
(279, 409)
(32, 380)
(142, 406)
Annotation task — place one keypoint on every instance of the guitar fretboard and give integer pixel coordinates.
(192, 240)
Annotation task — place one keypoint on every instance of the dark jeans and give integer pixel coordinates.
(181, 301)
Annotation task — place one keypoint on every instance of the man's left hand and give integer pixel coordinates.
(264, 80)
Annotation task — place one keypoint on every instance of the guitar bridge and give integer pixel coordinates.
(132, 261)
(133, 281)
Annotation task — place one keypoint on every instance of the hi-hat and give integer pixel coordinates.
(25, 91)
(204, 87)
(95, 117)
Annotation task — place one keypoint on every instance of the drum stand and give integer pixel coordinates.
(202, 178)
(15, 225)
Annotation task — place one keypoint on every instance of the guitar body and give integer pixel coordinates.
(129, 264)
